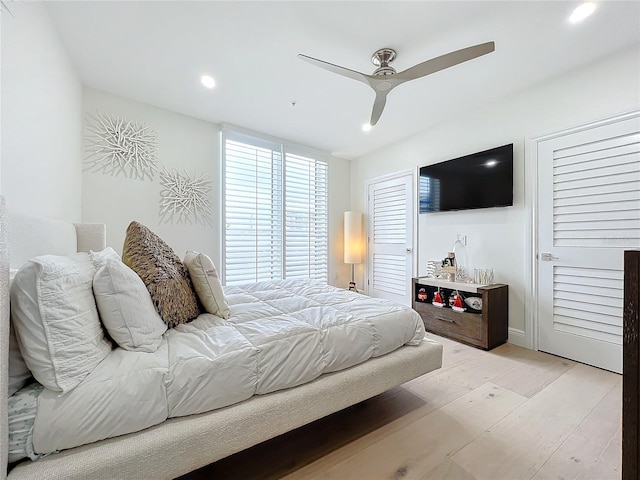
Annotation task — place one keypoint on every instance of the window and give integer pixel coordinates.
(275, 212)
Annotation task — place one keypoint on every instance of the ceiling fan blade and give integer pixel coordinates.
(378, 107)
(445, 61)
(335, 68)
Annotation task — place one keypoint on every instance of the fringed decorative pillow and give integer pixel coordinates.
(204, 277)
(163, 273)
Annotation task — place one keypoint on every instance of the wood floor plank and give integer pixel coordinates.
(541, 369)
(421, 430)
(318, 442)
(519, 445)
(593, 449)
(456, 352)
(434, 388)
(440, 393)
(418, 448)
(503, 366)
(448, 470)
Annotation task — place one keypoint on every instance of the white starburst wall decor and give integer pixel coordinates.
(184, 199)
(117, 146)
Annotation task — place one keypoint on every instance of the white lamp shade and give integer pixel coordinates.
(353, 244)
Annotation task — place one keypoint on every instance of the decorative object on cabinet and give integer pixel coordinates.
(474, 302)
(449, 266)
(462, 260)
(484, 324)
(422, 295)
(434, 268)
(483, 276)
(437, 299)
(353, 245)
(457, 305)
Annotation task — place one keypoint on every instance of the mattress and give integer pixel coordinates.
(280, 334)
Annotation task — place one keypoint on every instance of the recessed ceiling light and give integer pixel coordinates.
(366, 127)
(491, 163)
(582, 11)
(208, 81)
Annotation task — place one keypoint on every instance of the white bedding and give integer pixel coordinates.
(23, 406)
(279, 335)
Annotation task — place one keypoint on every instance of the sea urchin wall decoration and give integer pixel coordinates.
(117, 146)
(184, 199)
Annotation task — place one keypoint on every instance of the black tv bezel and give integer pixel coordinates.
(504, 151)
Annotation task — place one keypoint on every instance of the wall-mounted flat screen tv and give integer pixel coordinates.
(480, 180)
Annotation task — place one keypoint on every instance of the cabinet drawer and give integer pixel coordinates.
(449, 322)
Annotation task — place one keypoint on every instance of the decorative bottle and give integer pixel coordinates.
(462, 261)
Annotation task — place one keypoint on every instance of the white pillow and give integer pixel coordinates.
(204, 277)
(126, 309)
(100, 258)
(56, 319)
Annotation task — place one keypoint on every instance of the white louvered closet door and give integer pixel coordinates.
(589, 212)
(390, 239)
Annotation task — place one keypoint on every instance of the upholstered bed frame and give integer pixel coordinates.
(181, 445)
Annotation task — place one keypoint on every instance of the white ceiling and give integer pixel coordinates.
(155, 52)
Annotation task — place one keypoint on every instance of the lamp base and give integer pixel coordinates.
(352, 283)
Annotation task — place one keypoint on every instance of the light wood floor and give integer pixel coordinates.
(510, 413)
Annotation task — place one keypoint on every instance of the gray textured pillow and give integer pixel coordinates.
(163, 273)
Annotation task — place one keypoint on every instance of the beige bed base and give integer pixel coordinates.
(181, 445)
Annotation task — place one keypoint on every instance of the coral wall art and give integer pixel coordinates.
(117, 146)
(184, 199)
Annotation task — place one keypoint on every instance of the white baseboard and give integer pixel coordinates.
(518, 337)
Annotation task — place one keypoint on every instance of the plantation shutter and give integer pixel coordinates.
(596, 204)
(275, 213)
(306, 221)
(253, 248)
(390, 237)
(588, 209)
(596, 194)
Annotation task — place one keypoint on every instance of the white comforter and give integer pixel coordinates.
(280, 334)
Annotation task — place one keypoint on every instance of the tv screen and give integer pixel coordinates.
(480, 180)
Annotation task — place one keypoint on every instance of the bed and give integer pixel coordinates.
(182, 444)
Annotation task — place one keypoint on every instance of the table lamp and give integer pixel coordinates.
(353, 245)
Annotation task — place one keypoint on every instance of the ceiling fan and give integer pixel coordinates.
(385, 78)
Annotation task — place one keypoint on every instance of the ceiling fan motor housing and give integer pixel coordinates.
(382, 58)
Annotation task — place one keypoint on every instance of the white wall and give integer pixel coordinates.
(43, 110)
(498, 237)
(183, 143)
(339, 200)
(193, 146)
(41, 117)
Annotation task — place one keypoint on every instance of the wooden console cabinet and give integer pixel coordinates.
(486, 328)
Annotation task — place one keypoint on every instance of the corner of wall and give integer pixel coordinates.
(40, 177)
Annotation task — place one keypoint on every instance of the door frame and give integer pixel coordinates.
(383, 178)
(532, 321)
